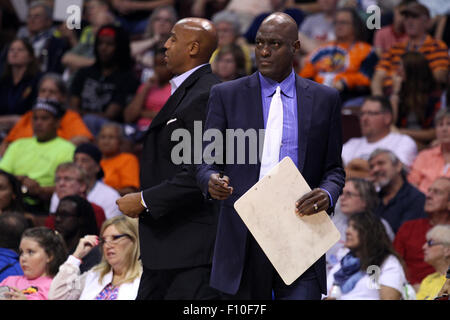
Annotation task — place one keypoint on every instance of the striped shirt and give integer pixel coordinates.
(435, 51)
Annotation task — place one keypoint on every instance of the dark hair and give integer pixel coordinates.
(122, 53)
(359, 28)
(16, 203)
(238, 55)
(12, 225)
(416, 87)
(382, 100)
(374, 244)
(84, 210)
(33, 66)
(52, 243)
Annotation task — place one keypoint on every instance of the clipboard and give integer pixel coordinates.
(291, 243)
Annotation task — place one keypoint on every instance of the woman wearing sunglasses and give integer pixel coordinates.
(118, 275)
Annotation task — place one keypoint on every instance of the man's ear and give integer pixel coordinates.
(388, 118)
(194, 48)
(296, 45)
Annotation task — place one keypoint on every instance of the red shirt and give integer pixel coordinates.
(408, 242)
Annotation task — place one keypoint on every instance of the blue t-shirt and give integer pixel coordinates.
(9, 264)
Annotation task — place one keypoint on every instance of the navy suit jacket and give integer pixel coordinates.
(238, 104)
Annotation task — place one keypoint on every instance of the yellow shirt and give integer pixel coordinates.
(430, 286)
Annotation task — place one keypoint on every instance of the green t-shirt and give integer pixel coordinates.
(37, 160)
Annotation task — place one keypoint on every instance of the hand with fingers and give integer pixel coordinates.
(85, 245)
(219, 186)
(15, 294)
(314, 201)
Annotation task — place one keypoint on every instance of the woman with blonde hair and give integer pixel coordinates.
(116, 277)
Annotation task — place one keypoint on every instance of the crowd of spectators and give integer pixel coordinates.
(76, 103)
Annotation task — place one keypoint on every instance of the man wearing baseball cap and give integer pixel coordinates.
(416, 21)
(34, 160)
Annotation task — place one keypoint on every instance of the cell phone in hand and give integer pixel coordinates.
(3, 290)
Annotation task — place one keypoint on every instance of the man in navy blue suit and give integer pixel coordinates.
(311, 137)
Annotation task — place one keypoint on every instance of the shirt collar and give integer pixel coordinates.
(268, 86)
(176, 82)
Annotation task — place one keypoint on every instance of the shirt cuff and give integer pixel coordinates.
(143, 201)
(329, 196)
(74, 261)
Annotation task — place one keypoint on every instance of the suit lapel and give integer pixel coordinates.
(174, 100)
(304, 114)
(254, 102)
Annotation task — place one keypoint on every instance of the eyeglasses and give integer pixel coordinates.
(115, 239)
(431, 243)
(350, 194)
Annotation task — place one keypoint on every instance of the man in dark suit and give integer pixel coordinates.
(311, 137)
(177, 226)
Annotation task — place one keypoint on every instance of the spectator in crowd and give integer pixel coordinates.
(399, 200)
(375, 119)
(87, 156)
(230, 63)
(345, 64)
(74, 219)
(416, 19)
(151, 95)
(35, 168)
(82, 52)
(12, 225)
(48, 48)
(437, 254)
(71, 126)
(358, 195)
(415, 98)
(412, 234)
(158, 29)
(70, 180)
(121, 169)
(422, 174)
(118, 275)
(392, 34)
(18, 83)
(318, 28)
(277, 6)
(11, 197)
(227, 25)
(368, 245)
(100, 92)
(42, 251)
(10, 193)
(133, 15)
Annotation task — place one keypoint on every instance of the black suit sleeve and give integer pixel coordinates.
(174, 195)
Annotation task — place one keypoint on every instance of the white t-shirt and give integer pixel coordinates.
(401, 145)
(391, 275)
(102, 195)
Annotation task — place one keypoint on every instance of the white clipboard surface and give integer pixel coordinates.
(291, 243)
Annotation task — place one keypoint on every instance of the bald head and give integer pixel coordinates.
(192, 42)
(276, 46)
(283, 23)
